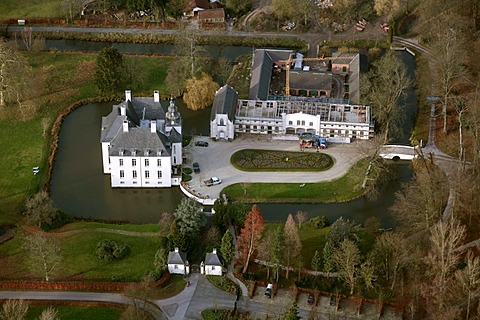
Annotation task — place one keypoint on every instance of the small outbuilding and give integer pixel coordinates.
(212, 266)
(177, 262)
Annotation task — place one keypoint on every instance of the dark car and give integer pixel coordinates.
(311, 299)
(196, 167)
(201, 144)
(268, 291)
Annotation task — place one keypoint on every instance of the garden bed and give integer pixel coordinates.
(271, 160)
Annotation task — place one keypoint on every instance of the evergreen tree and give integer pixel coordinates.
(110, 71)
(292, 312)
(227, 249)
(189, 217)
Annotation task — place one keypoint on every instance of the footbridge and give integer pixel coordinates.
(398, 152)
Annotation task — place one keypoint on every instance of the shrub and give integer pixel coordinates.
(186, 177)
(58, 221)
(318, 222)
(187, 170)
(111, 250)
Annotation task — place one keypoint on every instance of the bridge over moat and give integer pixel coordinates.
(398, 152)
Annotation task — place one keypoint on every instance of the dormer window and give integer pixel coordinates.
(134, 152)
(120, 152)
(146, 152)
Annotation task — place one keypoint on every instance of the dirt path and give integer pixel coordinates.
(63, 234)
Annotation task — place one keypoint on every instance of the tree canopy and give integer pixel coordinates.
(189, 217)
(200, 92)
(110, 72)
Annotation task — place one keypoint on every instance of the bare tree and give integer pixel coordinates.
(383, 87)
(49, 314)
(223, 69)
(14, 75)
(389, 255)
(14, 310)
(40, 209)
(139, 293)
(469, 279)
(302, 217)
(293, 244)
(449, 56)
(245, 186)
(442, 260)
(44, 255)
(347, 261)
(420, 204)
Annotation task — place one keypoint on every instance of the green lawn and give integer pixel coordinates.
(79, 259)
(68, 77)
(340, 190)
(77, 312)
(31, 9)
(312, 239)
(94, 225)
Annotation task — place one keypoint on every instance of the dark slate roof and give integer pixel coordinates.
(132, 114)
(111, 125)
(263, 60)
(343, 57)
(175, 136)
(177, 257)
(310, 80)
(138, 139)
(225, 102)
(211, 259)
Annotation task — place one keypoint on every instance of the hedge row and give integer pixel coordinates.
(63, 285)
(94, 23)
(74, 285)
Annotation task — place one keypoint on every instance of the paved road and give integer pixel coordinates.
(214, 160)
(314, 40)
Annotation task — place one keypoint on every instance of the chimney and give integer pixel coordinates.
(125, 126)
(176, 249)
(123, 110)
(128, 95)
(153, 126)
(156, 96)
(214, 251)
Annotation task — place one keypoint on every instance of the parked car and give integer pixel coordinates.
(212, 181)
(268, 291)
(311, 299)
(201, 143)
(196, 167)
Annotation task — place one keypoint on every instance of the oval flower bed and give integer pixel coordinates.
(272, 160)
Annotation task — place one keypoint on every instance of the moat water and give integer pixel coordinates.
(80, 188)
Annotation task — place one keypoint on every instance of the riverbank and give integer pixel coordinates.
(31, 134)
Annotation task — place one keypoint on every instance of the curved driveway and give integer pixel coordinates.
(214, 160)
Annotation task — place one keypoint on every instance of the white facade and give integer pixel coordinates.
(142, 144)
(326, 120)
(177, 262)
(140, 171)
(212, 266)
(222, 128)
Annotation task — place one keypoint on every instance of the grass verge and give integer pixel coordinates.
(79, 261)
(223, 283)
(85, 225)
(343, 189)
(77, 312)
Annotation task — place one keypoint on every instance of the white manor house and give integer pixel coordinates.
(266, 112)
(142, 143)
